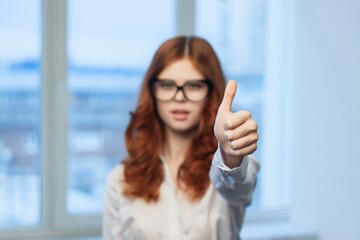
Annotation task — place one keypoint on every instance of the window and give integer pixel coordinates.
(69, 76)
(20, 114)
(108, 57)
(236, 31)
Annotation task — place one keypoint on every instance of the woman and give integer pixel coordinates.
(180, 180)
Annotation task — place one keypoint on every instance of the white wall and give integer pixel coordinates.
(313, 72)
(325, 190)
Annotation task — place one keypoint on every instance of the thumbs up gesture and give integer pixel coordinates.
(235, 131)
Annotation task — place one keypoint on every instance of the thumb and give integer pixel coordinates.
(229, 95)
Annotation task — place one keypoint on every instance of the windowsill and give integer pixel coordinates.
(275, 231)
(70, 238)
(273, 225)
(259, 225)
(251, 231)
(257, 232)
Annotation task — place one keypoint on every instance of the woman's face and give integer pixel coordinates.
(180, 114)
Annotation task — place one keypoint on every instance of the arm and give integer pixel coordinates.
(234, 184)
(233, 170)
(111, 216)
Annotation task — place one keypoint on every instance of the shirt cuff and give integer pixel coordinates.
(229, 177)
(236, 170)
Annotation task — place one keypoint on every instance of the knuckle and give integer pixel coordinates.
(255, 148)
(229, 123)
(233, 145)
(256, 126)
(251, 140)
(229, 135)
(247, 114)
(253, 125)
(240, 153)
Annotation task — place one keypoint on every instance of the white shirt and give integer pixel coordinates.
(218, 214)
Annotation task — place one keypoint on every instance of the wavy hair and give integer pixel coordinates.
(143, 169)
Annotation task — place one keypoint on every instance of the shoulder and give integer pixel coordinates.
(115, 178)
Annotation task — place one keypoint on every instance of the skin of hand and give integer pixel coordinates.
(236, 131)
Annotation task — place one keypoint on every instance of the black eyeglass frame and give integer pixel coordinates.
(180, 88)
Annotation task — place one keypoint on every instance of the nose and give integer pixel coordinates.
(180, 96)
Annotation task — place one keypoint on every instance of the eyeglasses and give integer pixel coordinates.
(194, 90)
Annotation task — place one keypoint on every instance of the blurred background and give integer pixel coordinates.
(70, 72)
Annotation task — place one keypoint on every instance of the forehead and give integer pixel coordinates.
(180, 71)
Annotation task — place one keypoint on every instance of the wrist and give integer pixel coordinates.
(229, 159)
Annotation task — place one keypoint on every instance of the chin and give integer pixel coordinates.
(183, 128)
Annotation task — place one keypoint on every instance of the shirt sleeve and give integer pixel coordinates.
(234, 184)
(111, 214)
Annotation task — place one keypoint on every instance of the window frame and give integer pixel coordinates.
(56, 222)
(278, 138)
(55, 115)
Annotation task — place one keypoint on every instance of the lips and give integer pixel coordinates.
(180, 114)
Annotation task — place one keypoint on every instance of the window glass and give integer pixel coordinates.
(235, 28)
(20, 101)
(110, 47)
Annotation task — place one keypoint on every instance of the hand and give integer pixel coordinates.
(235, 131)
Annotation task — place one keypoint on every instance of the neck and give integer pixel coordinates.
(175, 146)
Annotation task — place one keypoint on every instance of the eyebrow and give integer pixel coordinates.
(186, 80)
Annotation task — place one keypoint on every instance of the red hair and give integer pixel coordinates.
(143, 169)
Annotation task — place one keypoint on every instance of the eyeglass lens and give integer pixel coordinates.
(194, 90)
